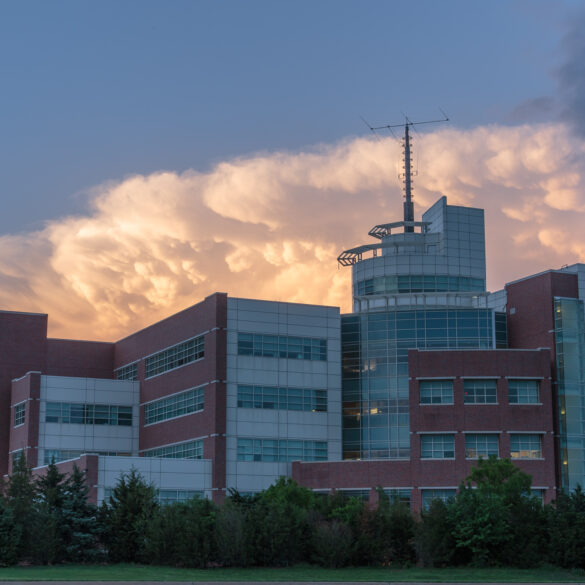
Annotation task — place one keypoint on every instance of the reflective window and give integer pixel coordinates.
(175, 356)
(88, 414)
(188, 450)
(523, 392)
(19, 414)
(436, 391)
(281, 450)
(178, 405)
(129, 372)
(480, 392)
(437, 446)
(166, 497)
(481, 445)
(413, 283)
(402, 495)
(436, 494)
(279, 398)
(526, 446)
(294, 348)
(58, 455)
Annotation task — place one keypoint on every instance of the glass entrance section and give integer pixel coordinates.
(375, 371)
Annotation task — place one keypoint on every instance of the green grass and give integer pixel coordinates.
(297, 573)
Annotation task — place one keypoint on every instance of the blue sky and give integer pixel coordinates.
(154, 152)
(96, 91)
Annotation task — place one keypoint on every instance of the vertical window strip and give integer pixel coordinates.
(175, 356)
(19, 414)
(298, 348)
(281, 398)
(188, 450)
(480, 392)
(88, 414)
(180, 404)
(436, 391)
(281, 450)
(523, 391)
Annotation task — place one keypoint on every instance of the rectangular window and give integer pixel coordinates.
(294, 348)
(436, 391)
(436, 494)
(19, 414)
(481, 445)
(526, 446)
(175, 356)
(129, 372)
(480, 392)
(401, 495)
(189, 450)
(437, 446)
(178, 405)
(57, 455)
(88, 414)
(166, 497)
(271, 397)
(523, 392)
(281, 450)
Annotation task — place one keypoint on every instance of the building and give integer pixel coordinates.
(429, 373)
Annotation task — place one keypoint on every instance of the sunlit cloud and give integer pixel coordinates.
(271, 226)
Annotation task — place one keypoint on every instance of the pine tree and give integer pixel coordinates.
(125, 517)
(81, 530)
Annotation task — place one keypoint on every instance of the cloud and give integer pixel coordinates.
(271, 226)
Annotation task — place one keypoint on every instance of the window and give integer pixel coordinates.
(436, 494)
(188, 450)
(88, 414)
(294, 348)
(19, 414)
(477, 445)
(166, 497)
(175, 356)
(178, 405)
(363, 495)
(437, 446)
(480, 392)
(526, 446)
(282, 398)
(281, 450)
(401, 495)
(129, 372)
(523, 392)
(57, 455)
(436, 391)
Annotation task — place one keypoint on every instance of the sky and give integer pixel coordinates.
(152, 153)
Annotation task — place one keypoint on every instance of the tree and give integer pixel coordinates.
(9, 535)
(81, 530)
(20, 499)
(125, 517)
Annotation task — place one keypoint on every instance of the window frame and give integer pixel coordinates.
(439, 392)
(437, 445)
(523, 391)
(20, 414)
(483, 397)
(469, 437)
(519, 450)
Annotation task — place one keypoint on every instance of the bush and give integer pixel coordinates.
(332, 544)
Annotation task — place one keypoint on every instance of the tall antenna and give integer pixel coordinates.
(407, 176)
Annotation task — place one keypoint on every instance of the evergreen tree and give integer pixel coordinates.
(81, 530)
(125, 517)
(20, 499)
(9, 535)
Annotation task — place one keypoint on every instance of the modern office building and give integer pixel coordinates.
(429, 373)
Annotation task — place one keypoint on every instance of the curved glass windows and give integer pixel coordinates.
(412, 283)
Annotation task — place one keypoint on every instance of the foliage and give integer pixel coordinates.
(566, 527)
(434, 537)
(9, 535)
(332, 544)
(182, 534)
(232, 532)
(125, 517)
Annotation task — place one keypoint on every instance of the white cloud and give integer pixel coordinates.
(271, 226)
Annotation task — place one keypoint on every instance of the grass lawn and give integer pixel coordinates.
(297, 573)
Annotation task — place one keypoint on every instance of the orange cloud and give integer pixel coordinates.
(271, 226)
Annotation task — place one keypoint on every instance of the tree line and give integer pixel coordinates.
(492, 521)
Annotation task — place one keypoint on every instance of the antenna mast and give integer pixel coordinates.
(407, 176)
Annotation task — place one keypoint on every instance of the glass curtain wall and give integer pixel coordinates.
(570, 357)
(375, 371)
